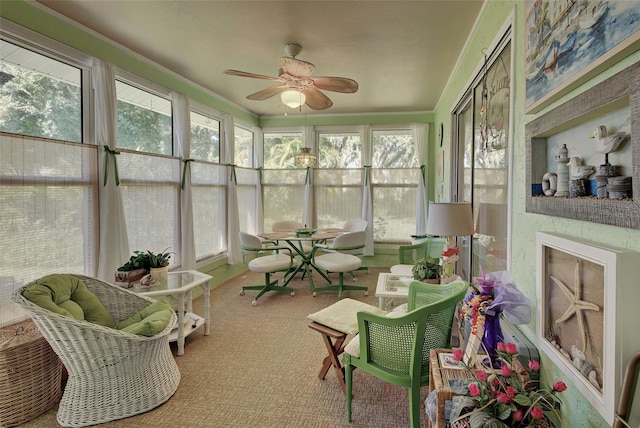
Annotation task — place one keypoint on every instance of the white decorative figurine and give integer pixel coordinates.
(563, 171)
(606, 143)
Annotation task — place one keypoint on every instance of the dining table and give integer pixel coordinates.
(297, 241)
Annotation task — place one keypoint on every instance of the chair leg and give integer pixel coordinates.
(415, 407)
(348, 380)
(340, 287)
(268, 285)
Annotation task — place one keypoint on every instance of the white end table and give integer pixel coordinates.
(390, 286)
(179, 289)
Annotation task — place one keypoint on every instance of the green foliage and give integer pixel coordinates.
(146, 260)
(40, 106)
(426, 268)
(139, 260)
(159, 260)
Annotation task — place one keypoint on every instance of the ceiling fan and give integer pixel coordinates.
(294, 78)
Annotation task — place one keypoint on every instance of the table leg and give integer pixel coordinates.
(181, 324)
(207, 308)
(334, 347)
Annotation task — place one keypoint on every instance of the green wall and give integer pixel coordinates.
(575, 411)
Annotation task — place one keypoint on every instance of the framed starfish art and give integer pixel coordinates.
(587, 294)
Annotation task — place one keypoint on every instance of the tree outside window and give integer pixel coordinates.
(205, 138)
(342, 150)
(280, 149)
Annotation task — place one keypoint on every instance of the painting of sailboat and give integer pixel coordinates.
(569, 41)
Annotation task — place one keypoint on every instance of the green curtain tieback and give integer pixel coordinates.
(108, 152)
(186, 163)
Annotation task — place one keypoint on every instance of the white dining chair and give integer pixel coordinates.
(341, 256)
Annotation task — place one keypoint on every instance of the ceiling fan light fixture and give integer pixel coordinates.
(305, 158)
(293, 98)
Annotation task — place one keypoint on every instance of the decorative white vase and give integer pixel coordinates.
(160, 275)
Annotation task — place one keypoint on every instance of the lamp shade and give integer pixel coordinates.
(293, 98)
(492, 220)
(450, 219)
(305, 158)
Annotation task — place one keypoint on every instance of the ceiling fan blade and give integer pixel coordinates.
(297, 67)
(316, 100)
(253, 75)
(267, 93)
(336, 84)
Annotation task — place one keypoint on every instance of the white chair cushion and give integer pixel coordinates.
(353, 347)
(338, 262)
(271, 263)
(342, 315)
(404, 270)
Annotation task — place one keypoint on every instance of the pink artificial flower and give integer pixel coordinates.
(458, 354)
(534, 365)
(474, 390)
(518, 415)
(506, 371)
(503, 398)
(481, 375)
(511, 392)
(537, 413)
(500, 346)
(559, 386)
(511, 348)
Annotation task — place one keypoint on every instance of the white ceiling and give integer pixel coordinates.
(401, 53)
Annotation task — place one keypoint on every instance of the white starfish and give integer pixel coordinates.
(577, 305)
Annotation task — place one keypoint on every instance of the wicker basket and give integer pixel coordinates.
(30, 374)
(463, 422)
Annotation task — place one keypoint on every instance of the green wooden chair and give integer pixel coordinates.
(396, 349)
(409, 254)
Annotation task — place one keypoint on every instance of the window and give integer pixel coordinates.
(243, 147)
(144, 120)
(338, 196)
(149, 183)
(394, 149)
(48, 181)
(40, 96)
(280, 149)
(340, 150)
(205, 138)
(209, 194)
(283, 195)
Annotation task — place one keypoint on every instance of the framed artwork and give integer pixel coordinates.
(570, 41)
(586, 293)
(611, 103)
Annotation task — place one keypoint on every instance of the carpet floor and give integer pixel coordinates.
(259, 368)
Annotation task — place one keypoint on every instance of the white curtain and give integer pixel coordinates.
(114, 243)
(421, 141)
(234, 253)
(367, 193)
(258, 159)
(182, 137)
(307, 209)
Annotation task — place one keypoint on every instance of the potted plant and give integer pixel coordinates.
(133, 270)
(159, 265)
(428, 270)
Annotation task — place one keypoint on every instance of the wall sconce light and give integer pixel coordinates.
(293, 98)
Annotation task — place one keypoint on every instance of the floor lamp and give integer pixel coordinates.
(450, 220)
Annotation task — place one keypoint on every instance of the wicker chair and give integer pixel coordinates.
(396, 349)
(112, 374)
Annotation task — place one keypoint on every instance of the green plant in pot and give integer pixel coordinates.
(159, 265)
(134, 269)
(428, 270)
(158, 260)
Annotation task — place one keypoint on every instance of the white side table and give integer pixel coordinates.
(392, 286)
(179, 288)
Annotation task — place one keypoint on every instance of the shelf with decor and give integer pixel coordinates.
(613, 103)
